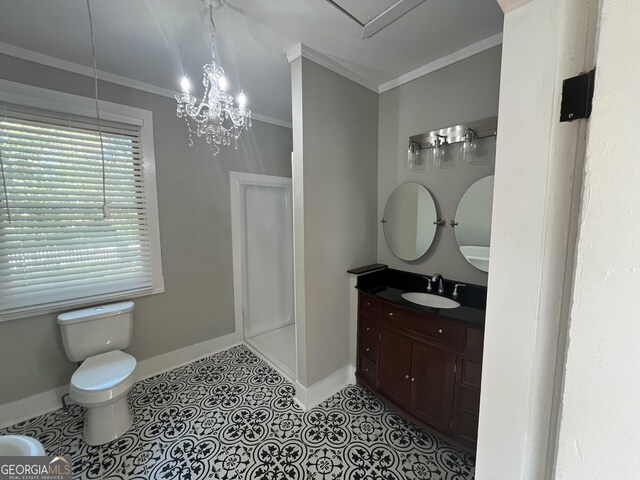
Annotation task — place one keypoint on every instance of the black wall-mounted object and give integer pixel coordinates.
(577, 97)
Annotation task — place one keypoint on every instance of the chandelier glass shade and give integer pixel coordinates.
(216, 117)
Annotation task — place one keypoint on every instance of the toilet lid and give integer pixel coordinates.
(103, 371)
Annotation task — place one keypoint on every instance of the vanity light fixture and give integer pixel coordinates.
(476, 144)
(216, 117)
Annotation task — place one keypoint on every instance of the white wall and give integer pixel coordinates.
(335, 173)
(600, 418)
(537, 180)
(463, 92)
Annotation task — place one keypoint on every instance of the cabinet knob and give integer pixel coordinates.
(366, 370)
(367, 349)
(406, 377)
(413, 379)
(391, 314)
(368, 329)
(439, 330)
(368, 304)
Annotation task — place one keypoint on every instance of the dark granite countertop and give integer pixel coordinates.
(389, 285)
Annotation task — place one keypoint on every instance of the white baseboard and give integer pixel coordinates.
(309, 397)
(45, 402)
(177, 358)
(26, 408)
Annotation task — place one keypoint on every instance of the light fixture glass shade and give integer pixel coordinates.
(448, 157)
(484, 152)
(467, 151)
(415, 162)
(419, 164)
(436, 153)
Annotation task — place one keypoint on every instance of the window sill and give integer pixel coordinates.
(78, 304)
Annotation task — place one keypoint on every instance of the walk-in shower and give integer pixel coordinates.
(262, 222)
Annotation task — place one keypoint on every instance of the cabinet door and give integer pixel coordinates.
(432, 385)
(394, 371)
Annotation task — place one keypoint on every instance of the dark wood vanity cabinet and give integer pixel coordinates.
(427, 366)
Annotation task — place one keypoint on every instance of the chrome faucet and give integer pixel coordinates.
(455, 290)
(438, 278)
(429, 285)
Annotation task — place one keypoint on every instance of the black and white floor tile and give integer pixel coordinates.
(231, 416)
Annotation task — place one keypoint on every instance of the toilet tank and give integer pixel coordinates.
(96, 330)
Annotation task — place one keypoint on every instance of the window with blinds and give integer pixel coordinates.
(56, 247)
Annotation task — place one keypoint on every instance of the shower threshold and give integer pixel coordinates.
(278, 347)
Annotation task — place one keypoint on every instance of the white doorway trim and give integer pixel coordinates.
(238, 181)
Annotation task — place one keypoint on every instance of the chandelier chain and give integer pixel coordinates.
(212, 31)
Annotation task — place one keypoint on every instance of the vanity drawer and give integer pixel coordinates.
(442, 331)
(368, 326)
(398, 316)
(368, 370)
(368, 348)
(369, 306)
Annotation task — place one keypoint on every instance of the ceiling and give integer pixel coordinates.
(157, 41)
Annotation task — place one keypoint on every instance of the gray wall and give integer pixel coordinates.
(195, 231)
(463, 92)
(335, 125)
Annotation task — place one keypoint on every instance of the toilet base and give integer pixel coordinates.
(105, 423)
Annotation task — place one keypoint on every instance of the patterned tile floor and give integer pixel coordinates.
(231, 416)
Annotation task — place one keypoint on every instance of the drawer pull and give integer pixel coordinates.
(406, 377)
(367, 349)
(368, 329)
(368, 304)
(366, 370)
(439, 330)
(391, 314)
(413, 379)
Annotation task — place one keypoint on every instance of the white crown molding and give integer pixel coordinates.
(53, 62)
(271, 120)
(511, 5)
(301, 50)
(442, 62)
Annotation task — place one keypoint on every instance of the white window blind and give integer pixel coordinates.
(56, 249)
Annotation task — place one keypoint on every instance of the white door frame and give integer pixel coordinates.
(239, 180)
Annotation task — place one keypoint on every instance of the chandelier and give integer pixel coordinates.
(215, 117)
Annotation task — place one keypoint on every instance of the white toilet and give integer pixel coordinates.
(95, 336)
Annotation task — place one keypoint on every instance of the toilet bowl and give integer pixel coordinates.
(100, 385)
(96, 336)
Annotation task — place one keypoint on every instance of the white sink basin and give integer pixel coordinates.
(20, 446)
(430, 300)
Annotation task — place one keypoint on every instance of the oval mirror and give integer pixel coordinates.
(409, 218)
(473, 217)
